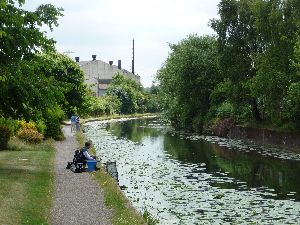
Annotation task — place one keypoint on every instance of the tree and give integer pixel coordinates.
(256, 46)
(68, 76)
(277, 23)
(128, 91)
(187, 79)
(237, 46)
(20, 30)
(20, 39)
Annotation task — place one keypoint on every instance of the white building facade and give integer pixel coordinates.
(98, 74)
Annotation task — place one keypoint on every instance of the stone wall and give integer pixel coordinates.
(264, 136)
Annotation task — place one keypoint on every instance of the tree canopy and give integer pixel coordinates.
(36, 83)
(187, 79)
(249, 71)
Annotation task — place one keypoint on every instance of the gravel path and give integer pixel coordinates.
(78, 199)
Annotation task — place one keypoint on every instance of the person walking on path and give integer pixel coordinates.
(77, 122)
(78, 199)
(73, 123)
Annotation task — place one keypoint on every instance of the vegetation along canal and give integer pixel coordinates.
(188, 179)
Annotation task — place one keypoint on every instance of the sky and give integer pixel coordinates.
(106, 28)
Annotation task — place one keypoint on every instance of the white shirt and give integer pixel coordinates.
(87, 155)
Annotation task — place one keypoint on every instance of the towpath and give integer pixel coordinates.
(78, 199)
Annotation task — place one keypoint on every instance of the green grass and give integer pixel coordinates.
(26, 183)
(123, 211)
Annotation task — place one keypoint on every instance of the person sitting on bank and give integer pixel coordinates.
(85, 151)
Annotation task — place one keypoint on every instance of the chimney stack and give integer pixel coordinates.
(77, 59)
(94, 57)
(132, 56)
(111, 62)
(119, 64)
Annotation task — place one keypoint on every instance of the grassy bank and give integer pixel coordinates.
(123, 212)
(26, 183)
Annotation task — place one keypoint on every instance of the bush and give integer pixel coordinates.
(40, 126)
(13, 125)
(198, 123)
(30, 135)
(52, 120)
(225, 110)
(27, 125)
(5, 133)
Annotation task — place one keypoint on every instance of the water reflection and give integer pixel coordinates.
(186, 179)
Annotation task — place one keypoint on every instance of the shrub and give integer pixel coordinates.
(52, 121)
(27, 125)
(5, 133)
(197, 123)
(13, 125)
(225, 110)
(30, 135)
(40, 126)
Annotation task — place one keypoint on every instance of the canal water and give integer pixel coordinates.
(188, 179)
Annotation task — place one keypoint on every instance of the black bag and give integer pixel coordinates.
(78, 160)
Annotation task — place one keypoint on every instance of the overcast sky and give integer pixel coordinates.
(106, 28)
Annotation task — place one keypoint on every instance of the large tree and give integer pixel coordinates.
(237, 46)
(20, 30)
(277, 23)
(128, 91)
(256, 40)
(21, 38)
(187, 79)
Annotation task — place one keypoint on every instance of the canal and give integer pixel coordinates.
(183, 178)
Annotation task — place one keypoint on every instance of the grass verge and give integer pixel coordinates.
(26, 183)
(123, 212)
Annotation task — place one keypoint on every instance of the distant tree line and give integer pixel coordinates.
(249, 71)
(124, 96)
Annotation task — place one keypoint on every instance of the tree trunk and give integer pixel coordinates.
(255, 111)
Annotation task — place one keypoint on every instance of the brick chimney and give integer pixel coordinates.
(77, 59)
(111, 62)
(94, 57)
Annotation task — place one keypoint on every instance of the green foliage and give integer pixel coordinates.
(129, 93)
(27, 125)
(34, 78)
(5, 133)
(220, 92)
(29, 135)
(40, 126)
(21, 36)
(68, 78)
(238, 46)
(225, 110)
(105, 105)
(52, 120)
(152, 103)
(187, 79)
(258, 44)
(13, 125)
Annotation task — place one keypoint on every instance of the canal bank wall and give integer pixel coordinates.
(286, 140)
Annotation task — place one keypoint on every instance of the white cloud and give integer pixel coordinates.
(106, 28)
